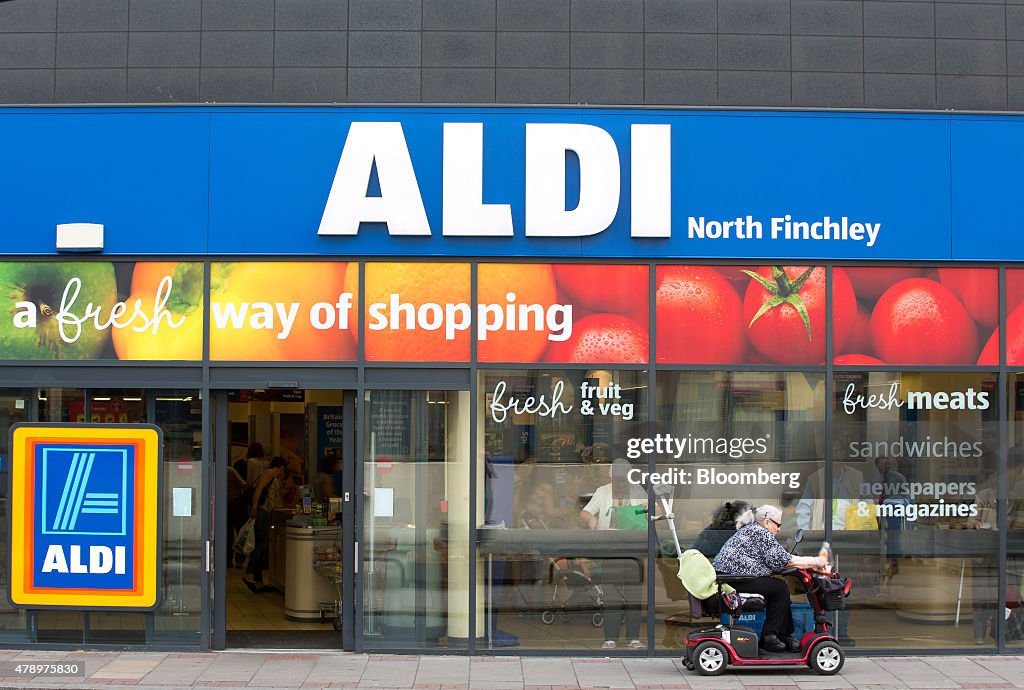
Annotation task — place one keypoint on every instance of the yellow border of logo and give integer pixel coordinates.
(145, 527)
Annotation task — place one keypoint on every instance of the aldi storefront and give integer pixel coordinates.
(448, 323)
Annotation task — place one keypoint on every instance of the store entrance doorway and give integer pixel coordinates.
(282, 459)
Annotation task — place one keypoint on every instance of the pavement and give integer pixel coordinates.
(287, 669)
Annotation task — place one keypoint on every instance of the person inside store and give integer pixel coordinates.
(754, 550)
(294, 476)
(619, 504)
(847, 481)
(543, 505)
(893, 492)
(252, 465)
(239, 500)
(327, 470)
(726, 519)
(264, 499)
(985, 567)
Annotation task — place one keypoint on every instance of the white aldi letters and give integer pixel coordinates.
(102, 560)
(400, 204)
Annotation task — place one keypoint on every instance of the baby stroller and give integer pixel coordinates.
(573, 589)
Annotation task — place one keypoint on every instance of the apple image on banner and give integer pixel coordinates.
(45, 305)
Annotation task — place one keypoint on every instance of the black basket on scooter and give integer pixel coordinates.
(832, 592)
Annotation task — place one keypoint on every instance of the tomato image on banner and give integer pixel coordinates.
(784, 308)
(698, 317)
(615, 289)
(919, 316)
(869, 282)
(1014, 325)
(748, 314)
(578, 313)
(602, 338)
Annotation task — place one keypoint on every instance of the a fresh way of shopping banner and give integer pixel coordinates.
(281, 311)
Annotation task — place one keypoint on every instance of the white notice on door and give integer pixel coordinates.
(383, 502)
(182, 502)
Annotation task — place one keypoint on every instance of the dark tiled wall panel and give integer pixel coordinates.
(930, 54)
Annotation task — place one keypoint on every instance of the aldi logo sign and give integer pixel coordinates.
(85, 505)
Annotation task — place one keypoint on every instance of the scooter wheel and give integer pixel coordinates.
(564, 616)
(547, 617)
(826, 658)
(597, 620)
(710, 658)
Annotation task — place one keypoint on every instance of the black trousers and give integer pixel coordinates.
(260, 556)
(778, 615)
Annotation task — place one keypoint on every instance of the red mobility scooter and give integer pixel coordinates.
(710, 650)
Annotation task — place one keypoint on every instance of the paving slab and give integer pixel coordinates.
(605, 673)
(253, 670)
(544, 671)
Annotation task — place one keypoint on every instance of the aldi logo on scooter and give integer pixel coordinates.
(84, 511)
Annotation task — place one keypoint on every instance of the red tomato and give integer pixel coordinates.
(855, 360)
(602, 338)
(621, 289)
(736, 277)
(1014, 289)
(1014, 341)
(860, 334)
(642, 317)
(697, 317)
(869, 282)
(978, 289)
(990, 353)
(775, 311)
(920, 321)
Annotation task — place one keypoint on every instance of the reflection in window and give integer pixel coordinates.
(733, 424)
(177, 619)
(732, 441)
(913, 507)
(1014, 488)
(549, 439)
(416, 523)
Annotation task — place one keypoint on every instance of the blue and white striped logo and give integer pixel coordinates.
(85, 491)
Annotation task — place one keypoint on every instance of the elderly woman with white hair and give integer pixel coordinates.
(755, 551)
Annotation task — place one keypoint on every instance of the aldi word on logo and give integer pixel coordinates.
(85, 506)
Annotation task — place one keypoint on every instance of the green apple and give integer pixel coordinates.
(55, 309)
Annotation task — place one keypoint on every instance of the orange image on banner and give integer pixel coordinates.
(517, 311)
(599, 314)
(415, 312)
(282, 311)
(178, 331)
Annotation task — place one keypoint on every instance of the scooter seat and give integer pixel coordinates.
(716, 605)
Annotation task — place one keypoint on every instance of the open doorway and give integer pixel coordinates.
(283, 590)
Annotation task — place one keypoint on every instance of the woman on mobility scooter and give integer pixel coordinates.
(755, 551)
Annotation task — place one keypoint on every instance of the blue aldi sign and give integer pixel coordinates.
(85, 507)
